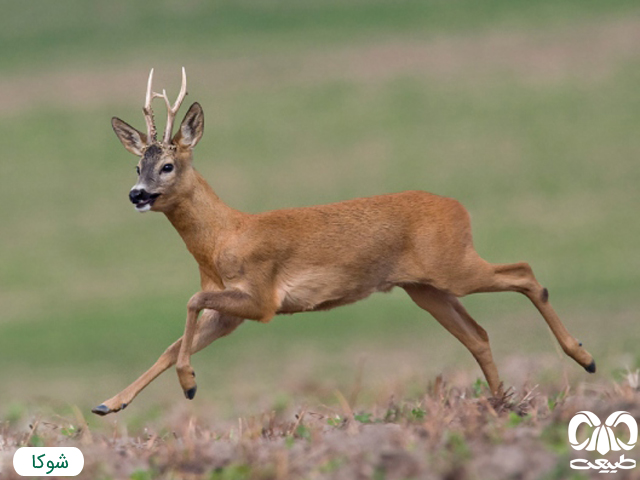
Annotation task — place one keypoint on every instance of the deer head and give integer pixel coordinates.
(164, 168)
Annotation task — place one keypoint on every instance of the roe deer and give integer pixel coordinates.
(255, 266)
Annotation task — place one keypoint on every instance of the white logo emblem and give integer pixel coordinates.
(603, 440)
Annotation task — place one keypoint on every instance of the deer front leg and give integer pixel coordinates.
(211, 326)
(232, 302)
(186, 375)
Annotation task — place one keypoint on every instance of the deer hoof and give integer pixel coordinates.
(190, 393)
(591, 368)
(101, 410)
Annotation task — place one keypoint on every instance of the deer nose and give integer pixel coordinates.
(138, 195)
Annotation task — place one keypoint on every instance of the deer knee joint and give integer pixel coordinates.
(484, 336)
(195, 303)
(480, 349)
(526, 270)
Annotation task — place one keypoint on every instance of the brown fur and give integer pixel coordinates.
(254, 266)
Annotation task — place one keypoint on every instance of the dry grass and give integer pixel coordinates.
(443, 431)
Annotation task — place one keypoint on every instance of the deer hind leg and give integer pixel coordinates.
(518, 277)
(211, 326)
(448, 310)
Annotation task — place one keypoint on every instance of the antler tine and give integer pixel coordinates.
(148, 112)
(176, 106)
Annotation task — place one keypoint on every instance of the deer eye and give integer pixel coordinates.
(138, 170)
(167, 168)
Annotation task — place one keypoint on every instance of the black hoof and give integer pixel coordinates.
(190, 393)
(101, 410)
(591, 368)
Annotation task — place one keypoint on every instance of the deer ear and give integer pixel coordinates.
(132, 139)
(191, 128)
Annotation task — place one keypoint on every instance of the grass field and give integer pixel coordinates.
(398, 431)
(527, 112)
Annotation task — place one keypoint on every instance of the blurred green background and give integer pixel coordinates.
(526, 111)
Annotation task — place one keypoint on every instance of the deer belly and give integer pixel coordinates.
(320, 291)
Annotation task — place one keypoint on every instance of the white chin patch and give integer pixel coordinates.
(144, 208)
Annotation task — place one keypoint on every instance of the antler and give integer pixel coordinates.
(148, 112)
(171, 110)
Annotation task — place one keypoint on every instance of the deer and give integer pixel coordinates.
(256, 266)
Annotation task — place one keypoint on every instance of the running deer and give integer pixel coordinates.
(255, 266)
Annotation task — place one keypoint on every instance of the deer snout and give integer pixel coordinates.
(142, 199)
(138, 195)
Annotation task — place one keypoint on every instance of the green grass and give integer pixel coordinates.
(547, 168)
(72, 31)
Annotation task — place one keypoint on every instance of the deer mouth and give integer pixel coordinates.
(145, 205)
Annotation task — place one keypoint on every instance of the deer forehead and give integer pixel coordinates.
(154, 156)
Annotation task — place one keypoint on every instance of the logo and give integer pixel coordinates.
(603, 440)
(48, 461)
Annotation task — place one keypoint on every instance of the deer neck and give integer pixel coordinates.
(202, 219)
